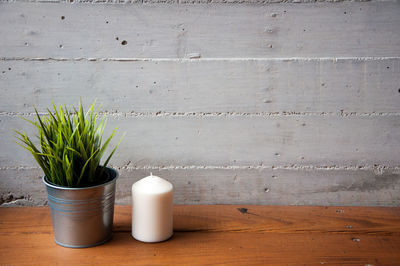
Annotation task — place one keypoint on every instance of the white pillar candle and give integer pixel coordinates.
(152, 209)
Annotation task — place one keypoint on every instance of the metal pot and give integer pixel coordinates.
(82, 217)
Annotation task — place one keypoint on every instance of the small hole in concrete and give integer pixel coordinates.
(345, 12)
(9, 68)
(124, 42)
(106, 22)
(154, 82)
(117, 38)
(266, 190)
(26, 44)
(60, 46)
(399, 90)
(62, 17)
(387, 67)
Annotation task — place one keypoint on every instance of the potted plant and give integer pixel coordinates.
(81, 192)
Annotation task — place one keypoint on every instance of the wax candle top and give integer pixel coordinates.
(152, 185)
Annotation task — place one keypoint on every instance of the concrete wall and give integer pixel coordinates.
(246, 102)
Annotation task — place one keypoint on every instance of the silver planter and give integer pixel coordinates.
(82, 217)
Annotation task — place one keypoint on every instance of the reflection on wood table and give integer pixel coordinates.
(219, 234)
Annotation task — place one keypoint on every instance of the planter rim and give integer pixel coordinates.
(47, 183)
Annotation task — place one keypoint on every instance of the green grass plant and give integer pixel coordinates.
(70, 146)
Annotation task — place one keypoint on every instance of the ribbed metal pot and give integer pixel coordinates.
(82, 217)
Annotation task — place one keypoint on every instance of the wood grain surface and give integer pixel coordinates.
(219, 234)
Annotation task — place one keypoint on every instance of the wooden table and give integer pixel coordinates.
(219, 234)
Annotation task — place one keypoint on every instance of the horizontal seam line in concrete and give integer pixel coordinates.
(340, 113)
(284, 59)
(189, 2)
(128, 167)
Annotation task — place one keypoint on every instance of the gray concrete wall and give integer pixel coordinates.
(249, 102)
